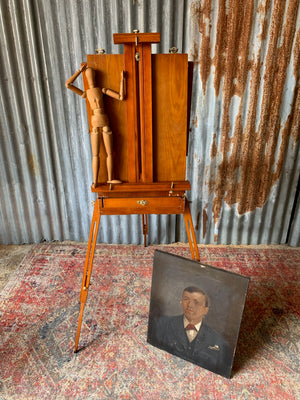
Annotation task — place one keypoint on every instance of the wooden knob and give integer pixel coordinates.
(173, 50)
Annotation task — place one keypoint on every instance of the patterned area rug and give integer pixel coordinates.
(39, 312)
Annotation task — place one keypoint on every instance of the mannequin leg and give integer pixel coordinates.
(108, 144)
(95, 142)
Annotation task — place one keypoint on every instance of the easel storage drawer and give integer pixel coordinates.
(148, 205)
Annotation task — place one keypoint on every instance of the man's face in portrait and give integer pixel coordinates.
(193, 306)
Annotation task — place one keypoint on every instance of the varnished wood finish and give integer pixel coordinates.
(150, 127)
(145, 227)
(141, 191)
(88, 267)
(191, 232)
(154, 187)
(190, 88)
(143, 205)
(145, 100)
(170, 88)
(132, 102)
(137, 53)
(148, 37)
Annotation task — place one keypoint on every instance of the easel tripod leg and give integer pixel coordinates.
(88, 267)
(145, 228)
(190, 231)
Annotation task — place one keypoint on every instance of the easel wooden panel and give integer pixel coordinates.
(169, 103)
(170, 91)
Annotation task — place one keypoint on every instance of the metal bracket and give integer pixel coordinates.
(100, 51)
(136, 31)
(172, 187)
(173, 50)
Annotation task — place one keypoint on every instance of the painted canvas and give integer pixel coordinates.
(196, 311)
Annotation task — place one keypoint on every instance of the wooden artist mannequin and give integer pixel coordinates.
(99, 119)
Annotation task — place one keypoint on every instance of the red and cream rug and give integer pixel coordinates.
(39, 309)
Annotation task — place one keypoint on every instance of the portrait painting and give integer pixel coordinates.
(195, 311)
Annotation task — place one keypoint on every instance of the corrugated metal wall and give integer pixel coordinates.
(243, 161)
(244, 152)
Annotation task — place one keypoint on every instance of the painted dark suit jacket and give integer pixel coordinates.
(208, 349)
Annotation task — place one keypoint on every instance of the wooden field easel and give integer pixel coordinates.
(150, 131)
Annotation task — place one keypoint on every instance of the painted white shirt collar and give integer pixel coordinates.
(191, 334)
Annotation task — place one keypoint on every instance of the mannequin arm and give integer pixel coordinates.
(69, 82)
(122, 94)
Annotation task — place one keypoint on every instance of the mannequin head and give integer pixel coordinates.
(90, 76)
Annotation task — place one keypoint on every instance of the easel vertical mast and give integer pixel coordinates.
(137, 55)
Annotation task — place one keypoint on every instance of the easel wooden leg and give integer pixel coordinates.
(190, 231)
(145, 228)
(88, 266)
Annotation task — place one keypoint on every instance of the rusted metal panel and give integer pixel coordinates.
(246, 118)
(243, 161)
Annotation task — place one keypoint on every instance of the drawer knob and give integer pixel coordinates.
(142, 202)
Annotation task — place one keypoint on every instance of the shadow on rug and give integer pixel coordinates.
(39, 313)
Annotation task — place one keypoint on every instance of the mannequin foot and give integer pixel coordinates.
(114, 181)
